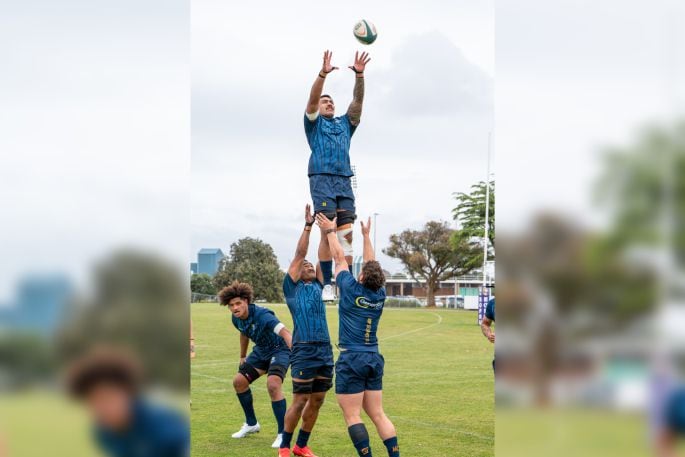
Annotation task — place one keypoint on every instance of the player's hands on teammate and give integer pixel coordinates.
(327, 67)
(324, 222)
(308, 216)
(360, 61)
(366, 228)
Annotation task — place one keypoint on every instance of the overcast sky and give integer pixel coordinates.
(95, 96)
(573, 77)
(427, 113)
(95, 143)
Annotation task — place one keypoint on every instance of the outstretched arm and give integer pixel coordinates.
(355, 109)
(317, 87)
(368, 253)
(328, 229)
(302, 246)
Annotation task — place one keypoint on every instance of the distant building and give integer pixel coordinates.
(40, 305)
(208, 260)
(193, 267)
(466, 288)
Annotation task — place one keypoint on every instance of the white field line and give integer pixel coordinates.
(442, 427)
(415, 330)
(216, 362)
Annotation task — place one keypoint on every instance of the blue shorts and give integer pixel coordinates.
(331, 193)
(312, 360)
(267, 360)
(356, 372)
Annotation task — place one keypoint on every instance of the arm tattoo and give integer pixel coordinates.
(355, 109)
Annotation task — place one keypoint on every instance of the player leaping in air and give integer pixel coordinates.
(330, 171)
(359, 369)
(311, 360)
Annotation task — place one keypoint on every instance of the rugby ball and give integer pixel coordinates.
(365, 32)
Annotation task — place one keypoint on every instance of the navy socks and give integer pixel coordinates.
(279, 408)
(245, 400)
(360, 439)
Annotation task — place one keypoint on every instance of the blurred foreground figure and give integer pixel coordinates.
(108, 382)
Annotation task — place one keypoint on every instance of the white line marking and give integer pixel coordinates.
(415, 330)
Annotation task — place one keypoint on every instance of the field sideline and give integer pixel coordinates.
(438, 387)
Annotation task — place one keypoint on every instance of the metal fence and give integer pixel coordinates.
(203, 298)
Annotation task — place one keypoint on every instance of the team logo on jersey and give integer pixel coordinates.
(362, 302)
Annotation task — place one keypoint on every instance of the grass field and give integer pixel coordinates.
(570, 433)
(438, 388)
(41, 423)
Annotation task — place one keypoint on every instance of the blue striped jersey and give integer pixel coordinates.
(329, 141)
(307, 309)
(259, 327)
(360, 311)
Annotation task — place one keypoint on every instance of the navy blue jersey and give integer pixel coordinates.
(307, 309)
(675, 411)
(154, 432)
(490, 310)
(259, 327)
(329, 141)
(360, 310)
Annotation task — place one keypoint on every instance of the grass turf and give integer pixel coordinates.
(438, 387)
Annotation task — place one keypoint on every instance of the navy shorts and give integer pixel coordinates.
(265, 360)
(311, 360)
(331, 193)
(356, 372)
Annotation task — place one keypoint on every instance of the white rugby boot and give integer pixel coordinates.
(246, 430)
(277, 442)
(328, 294)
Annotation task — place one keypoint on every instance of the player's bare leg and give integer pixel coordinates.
(373, 406)
(274, 385)
(351, 405)
(309, 417)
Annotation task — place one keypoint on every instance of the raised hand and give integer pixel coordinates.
(324, 222)
(366, 228)
(360, 62)
(308, 216)
(327, 67)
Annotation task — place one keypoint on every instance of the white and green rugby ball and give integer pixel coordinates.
(365, 32)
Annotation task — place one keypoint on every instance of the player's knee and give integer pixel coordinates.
(345, 217)
(316, 402)
(345, 239)
(300, 400)
(240, 384)
(273, 386)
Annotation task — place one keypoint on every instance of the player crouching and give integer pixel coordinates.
(270, 355)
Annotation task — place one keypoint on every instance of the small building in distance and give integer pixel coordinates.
(208, 260)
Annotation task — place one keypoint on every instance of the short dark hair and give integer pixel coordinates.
(103, 366)
(373, 276)
(326, 96)
(237, 289)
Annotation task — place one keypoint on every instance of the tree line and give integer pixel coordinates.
(433, 253)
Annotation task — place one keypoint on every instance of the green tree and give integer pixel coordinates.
(429, 254)
(643, 191)
(470, 213)
(253, 261)
(139, 301)
(202, 284)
